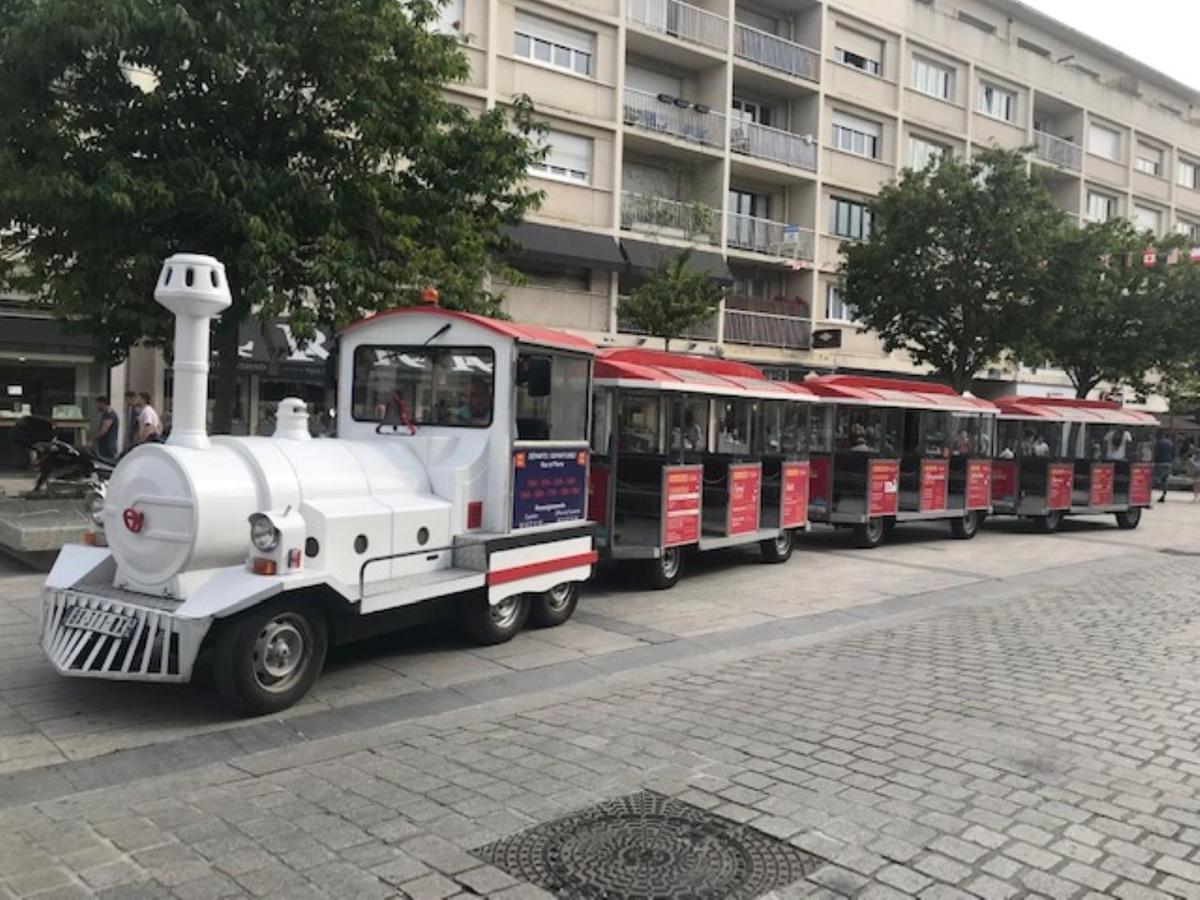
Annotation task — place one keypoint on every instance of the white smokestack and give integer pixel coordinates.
(194, 288)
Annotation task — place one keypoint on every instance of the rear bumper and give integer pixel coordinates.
(162, 646)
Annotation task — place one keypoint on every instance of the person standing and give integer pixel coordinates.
(1164, 455)
(131, 419)
(104, 444)
(149, 425)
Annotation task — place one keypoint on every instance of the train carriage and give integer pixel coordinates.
(1060, 456)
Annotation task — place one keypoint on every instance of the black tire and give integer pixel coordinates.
(779, 548)
(665, 570)
(870, 534)
(967, 527)
(1130, 518)
(1048, 524)
(487, 623)
(555, 606)
(267, 658)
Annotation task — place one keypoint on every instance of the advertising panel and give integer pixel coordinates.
(935, 475)
(1004, 482)
(979, 483)
(1102, 484)
(793, 503)
(745, 490)
(1140, 484)
(549, 485)
(682, 488)
(1059, 478)
(883, 483)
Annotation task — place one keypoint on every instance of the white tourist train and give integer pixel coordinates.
(457, 485)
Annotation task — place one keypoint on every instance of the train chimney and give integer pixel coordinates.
(194, 288)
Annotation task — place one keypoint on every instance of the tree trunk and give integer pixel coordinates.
(226, 376)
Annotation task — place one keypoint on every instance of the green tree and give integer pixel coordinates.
(1113, 319)
(308, 145)
(674, 299)
(952, 263)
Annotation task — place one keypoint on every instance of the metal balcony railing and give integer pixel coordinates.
(765, 142)
(654, 113)
(767, 330)
(705, 331)
(681, 20)
(773, 238)
(1060, 152)
(692, 221)
(774, 52)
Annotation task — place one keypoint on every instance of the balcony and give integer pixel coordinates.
(681, 20)
(1057, 151)
(705, 331)
(774, 144)
(664, 115)
(685, 221)
(768, 237)
(759, 329)
(776, 53)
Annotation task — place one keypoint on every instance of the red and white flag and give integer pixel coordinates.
(1196, 254)
(1149, 258)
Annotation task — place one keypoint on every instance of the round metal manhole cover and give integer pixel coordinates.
(649, 846)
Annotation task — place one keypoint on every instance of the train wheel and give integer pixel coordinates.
(779, 548)
(493, 623)
(555, 606)
(1130, 518)
(967, 527)
(267, 659)
(870, 534)
(665, 570)
(1048, 524)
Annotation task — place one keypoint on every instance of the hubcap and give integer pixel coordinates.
(670, 562)
(875, 529)
(281, 653)
(783, 541)
(558, 597)
(504, 613)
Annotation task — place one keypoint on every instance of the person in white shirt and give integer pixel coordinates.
(1116, 443)
(149, 425)
(1040, 447)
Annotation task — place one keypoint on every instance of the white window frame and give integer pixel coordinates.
(1187, 174)
(1096, 147)
(1148, 159)
(942, 151)
(1112, 210)
(568, 49)
(835, 304)
(860, 62)
(1190, 230)
(1149, 211)
(997, 102)
(932, 78)
(853, 207)
(859, 137)
(567, 152)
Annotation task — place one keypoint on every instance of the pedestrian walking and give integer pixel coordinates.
(1164, 455)
(149, 425)
(104, 444)
(131, 419)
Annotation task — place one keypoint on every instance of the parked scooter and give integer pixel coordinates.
(55, 459)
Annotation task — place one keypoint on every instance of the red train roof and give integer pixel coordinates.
(526, 334)
(897, 392)
(660, 370)
(1070, 409)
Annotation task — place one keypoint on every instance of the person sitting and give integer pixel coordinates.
(477, 410)
(1040, 447)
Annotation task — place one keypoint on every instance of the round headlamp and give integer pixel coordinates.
(94, 502)
(263, 533)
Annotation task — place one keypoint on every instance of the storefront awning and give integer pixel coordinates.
(271, 350)
(567, 247)
(646, 258)
(46, 334)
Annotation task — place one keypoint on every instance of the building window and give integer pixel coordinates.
(753, 111)
(854, 135)
(862, 51)
(923, 153)
(1104, 142)
(553, 44)
(569, 159)
(933, 79)
(1188, 174)
(566, 278)
(837, 308)
(997, 102)
(449, 19)
(858, 61)
(1147, 218)
(1190, 230)
(1101, 207)
(1149, 159)
(981, 24)
(849, 219)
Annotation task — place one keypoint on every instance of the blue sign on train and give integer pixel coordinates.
(549, 486)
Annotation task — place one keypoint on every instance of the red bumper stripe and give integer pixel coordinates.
(529, 570)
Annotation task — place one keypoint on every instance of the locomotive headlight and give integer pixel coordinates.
(95, 506)
(263, 533)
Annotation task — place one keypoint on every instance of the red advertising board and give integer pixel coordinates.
(883, 486)
(745, 490)
(793, 490)
(1140, 484)
(1102, 484)
(935, 474)
(1004, 481)
(682, 490)
(1059, 480)
(979, 483)
(597, 500)
(819, 484)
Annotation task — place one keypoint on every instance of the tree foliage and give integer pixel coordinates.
(951, 269)
(308, 145)
(674, 299)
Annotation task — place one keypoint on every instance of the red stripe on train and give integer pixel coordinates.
(529, 570)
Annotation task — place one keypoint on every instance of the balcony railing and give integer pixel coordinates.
(765, 142)
(767, 330)
(772, 238)
(776, 53)
(1055, 150)
(705, 331)
(690, 221)
(681, 20)
(654, 113)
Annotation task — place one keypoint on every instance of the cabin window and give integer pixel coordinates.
(783, 429)
(552, 397)
(867, 430)
(689, 424)
(1015, 437)
(820, 432)
(639, 426)
(450, 386)
(734, 418)
(970, 434)
(602, 423)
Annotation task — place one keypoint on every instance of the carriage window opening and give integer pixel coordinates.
(1112, 443)
(866, 430)
(934, 435)
(970, 435)
(782, 430)
(733, 425)
(555, 409)
(424, 386)
(602, 423)
(1017, 438)
(638, 425)
(689, 426)
(820, 431)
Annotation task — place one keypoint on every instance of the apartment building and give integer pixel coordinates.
(755, 132)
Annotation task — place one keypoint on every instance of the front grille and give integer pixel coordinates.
(161, 647)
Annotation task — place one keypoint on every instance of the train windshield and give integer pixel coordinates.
(424, 386)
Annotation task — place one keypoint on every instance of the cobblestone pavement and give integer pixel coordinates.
(1015, 735)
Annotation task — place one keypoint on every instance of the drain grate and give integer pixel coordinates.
(649, 846)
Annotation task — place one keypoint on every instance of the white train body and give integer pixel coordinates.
(388, 515)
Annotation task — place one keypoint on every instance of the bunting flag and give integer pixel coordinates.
(1149, 258)
(1196, 254)
(1173, 256)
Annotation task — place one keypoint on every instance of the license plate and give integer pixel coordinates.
(113, 624)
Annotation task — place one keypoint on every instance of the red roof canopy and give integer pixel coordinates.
(1069, 409)
(896, 392)
(526, 334)
(660, 370)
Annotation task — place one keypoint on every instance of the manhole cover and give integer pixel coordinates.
(648, 845)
